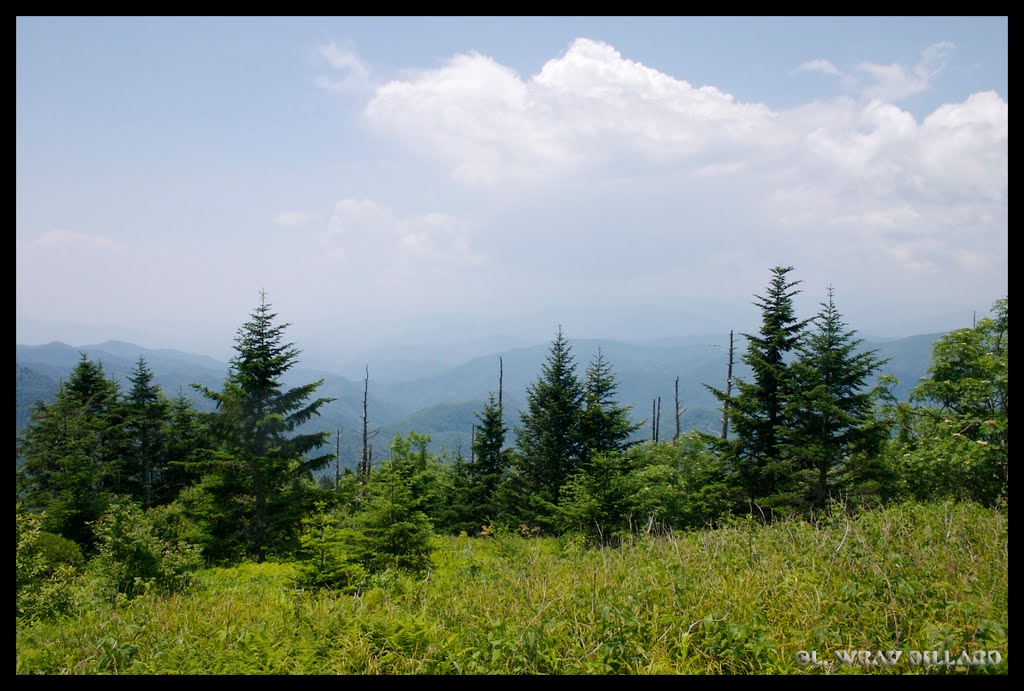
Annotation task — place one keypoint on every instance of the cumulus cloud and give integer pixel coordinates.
(857, 177)
(590, 106)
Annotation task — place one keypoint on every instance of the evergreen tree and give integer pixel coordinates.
(833, 408)
(549, 438)
(393, 532)
(261, 462)
(489, 465)
(758, 409)
(595, 502)
(70, 453)
(187, 442)
(606, 425)
(457, 515)
(324, 552)
(425, 472)
(146, 413)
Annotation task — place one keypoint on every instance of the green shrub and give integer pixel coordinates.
(132, 559)
(45, 567)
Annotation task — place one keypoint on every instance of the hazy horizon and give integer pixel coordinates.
(323, 354)
(401, 182)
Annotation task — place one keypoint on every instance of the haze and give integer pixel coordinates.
(397, 182)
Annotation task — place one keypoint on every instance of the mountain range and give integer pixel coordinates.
(444, 401)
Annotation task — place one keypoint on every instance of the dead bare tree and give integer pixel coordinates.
(675, 437)
(655, 419)
(367, 458)
(728, 391)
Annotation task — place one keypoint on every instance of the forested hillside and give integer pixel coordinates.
(443, 405)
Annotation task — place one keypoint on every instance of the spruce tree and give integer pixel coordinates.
(549, 437)
(393, 533)
(758, 409)
(489, 465)
(833, 409)
(70, 455)
(146, 413)
(187, 442)
(606, 425)
(258, 469)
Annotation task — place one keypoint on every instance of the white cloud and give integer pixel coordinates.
(355, 74)
(64, 239)
(856, 188)
(895, 82)
(964, 149)
(292, 218)
(388, 250)
(588, 107)
(818, 65)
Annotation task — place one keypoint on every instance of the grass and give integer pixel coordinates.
(742, 600)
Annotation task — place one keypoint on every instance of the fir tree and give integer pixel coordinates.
(606, 425)
(393, 532)
(489, 465)
(146, 416)
(261, 462)
(833, 408)
(70, 453)
(549, 438)
(758, 409)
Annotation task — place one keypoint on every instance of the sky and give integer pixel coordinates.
(390, 183)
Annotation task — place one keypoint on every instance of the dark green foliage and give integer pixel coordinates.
(187, 442)
(568, 423)
(549, 437)
(605, 425)
(255, 475)
(759, 408)
(71, 458)
(457, 515)
(489, 465)
(146, 415)
(649, 487)
(832, 415)
(706, 495)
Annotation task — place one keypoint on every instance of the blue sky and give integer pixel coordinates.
(396, 181)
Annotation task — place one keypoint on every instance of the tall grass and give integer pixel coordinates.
(740, 600)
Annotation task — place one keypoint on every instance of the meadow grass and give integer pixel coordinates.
(739, 600)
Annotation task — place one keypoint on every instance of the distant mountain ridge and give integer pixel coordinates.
(444, 403)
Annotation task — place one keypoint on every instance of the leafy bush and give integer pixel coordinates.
(45, 567)
(132, 559)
